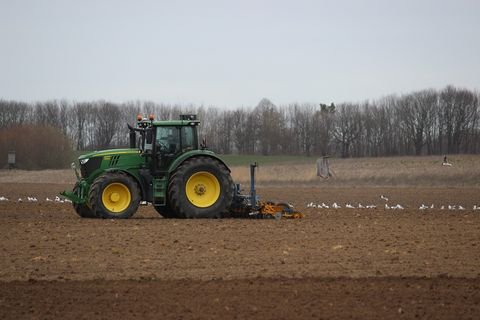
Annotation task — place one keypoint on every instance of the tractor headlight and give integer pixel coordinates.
(83, 161)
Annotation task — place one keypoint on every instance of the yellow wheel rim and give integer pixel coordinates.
(116, 197)
(203, 189)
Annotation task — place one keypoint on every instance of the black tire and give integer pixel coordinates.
(177, 194)
(82, 209)
(124, 182)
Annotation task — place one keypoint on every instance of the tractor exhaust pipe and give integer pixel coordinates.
(253, 192)
(133, 137)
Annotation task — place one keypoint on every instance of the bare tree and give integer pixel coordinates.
(348, 127)
(323, 125)
(14, 113)
(108, 116)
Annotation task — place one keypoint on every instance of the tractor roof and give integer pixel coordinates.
(176, 123)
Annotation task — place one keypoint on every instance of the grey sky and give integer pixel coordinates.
(233, 53)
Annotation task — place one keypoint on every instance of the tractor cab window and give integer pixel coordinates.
(187, 139)
(168, 140)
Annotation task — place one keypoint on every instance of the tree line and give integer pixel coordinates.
(423, 122)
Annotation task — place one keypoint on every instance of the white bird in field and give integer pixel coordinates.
(398, 207)
(372, 206)
(48, 199)
(360, 206)
(324, 205)
(19, 200)
(349, 206)
(2, 198)
(387, 207)
(475, 207)
(461, 208)
(442, 208)
(383, 197)
(432, 206)
(309, 205)
(423, 207)
(68, 200)
(451, 207)
(335, 206)
(57, 199)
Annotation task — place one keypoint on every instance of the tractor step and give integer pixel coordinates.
(159, 191)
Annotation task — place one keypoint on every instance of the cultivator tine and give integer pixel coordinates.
(268, 210)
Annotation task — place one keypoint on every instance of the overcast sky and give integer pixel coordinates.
(233, 53)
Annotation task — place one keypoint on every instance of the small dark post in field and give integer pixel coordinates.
(11, 160)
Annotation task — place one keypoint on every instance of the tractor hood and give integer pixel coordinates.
(95, 163)
(110, 152)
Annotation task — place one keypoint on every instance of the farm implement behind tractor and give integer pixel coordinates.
(167, 167)
(250, 206)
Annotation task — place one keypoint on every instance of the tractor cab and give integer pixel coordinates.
(165, 141)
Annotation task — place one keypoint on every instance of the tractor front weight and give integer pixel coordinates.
(79, 193)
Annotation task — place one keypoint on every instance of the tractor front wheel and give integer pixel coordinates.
(114, 196)
(201, 187)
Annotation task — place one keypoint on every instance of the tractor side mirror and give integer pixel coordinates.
(203, 145)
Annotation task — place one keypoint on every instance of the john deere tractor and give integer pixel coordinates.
(167, 167)
(164, 166)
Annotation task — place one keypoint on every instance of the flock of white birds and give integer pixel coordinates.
(322, 205)
(386, 206)
(35, 199)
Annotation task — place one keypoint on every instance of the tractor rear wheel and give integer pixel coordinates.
(114, 196)
(201, 187)
(82, 209)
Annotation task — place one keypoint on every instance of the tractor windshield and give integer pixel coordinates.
(168, 140)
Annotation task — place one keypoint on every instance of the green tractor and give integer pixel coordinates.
(165, 166)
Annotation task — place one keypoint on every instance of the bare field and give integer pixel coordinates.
(395, 171)
(371, 172)
(336, 264)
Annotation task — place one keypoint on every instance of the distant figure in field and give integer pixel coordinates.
(323, 168)
(445, 162)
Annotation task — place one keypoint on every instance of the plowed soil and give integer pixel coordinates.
(334, 263)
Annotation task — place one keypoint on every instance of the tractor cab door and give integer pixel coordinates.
(167, 146)
(166, 149)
